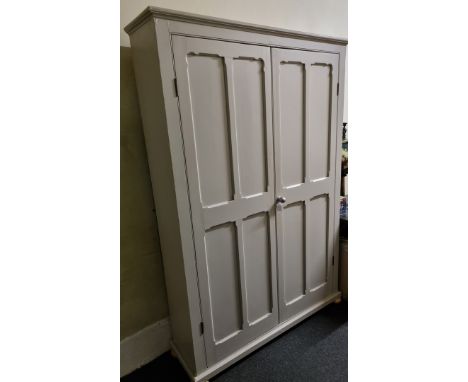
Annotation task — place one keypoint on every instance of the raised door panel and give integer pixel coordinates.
(224, 281)
(294, 246)
(317, 256)
(248, 78)
(208, 92)
(292, 83)
(305, 114)
(257, 254)
(321, 84)
(225, 105)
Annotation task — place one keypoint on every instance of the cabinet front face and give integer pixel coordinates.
(225, 105)
(305, 124)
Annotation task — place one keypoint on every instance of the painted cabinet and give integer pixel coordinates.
(241, 125)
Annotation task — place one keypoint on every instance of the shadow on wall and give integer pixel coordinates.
(143, 298)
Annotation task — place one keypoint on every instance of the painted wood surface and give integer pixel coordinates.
(254, 117)
(231, 197)
(305, 129)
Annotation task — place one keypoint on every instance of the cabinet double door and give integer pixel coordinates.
(259, 133)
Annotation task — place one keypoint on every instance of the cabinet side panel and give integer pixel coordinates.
(152, 109)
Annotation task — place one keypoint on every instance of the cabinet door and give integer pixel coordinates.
(225, 105)
(305, 128)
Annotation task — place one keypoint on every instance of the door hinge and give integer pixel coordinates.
(333, 260)
(338, 88)
(176, 88)
(202, 328)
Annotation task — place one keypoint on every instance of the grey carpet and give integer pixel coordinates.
(314, 351)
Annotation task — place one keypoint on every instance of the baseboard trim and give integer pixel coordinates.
(144, 346)
(262, 340)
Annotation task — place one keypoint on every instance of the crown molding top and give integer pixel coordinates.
(168, 14)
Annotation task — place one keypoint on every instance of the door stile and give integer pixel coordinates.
(241, 261)
(307, 99)
(275, 76)
(334, 169)
(268, 116)
(271, 182)
(336, 211)
(308, 246)
(228, 63)
(308, 176)
(231, 107)
(330, 241)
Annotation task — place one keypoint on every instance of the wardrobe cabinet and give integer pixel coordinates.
(242, 129)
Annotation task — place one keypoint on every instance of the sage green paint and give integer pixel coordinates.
(143, 298)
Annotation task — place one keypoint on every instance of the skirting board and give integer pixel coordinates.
(254, 345)
(144, 346)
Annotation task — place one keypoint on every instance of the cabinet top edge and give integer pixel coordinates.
(169, 14)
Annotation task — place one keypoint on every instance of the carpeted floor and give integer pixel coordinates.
(314, 351)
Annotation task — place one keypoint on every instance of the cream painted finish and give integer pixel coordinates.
(305, 109)
(323, 17)
(225, 105)
(241, 127)
(326, 17)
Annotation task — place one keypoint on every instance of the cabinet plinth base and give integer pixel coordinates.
(241, 353)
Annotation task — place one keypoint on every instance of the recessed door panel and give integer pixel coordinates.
(223, 277)
(257, 267)
(320, 112)
(249, 100)
(294, 252)
(225, 106)
(305, 115)
(292, 126)
(206, 75)
(318, 251)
